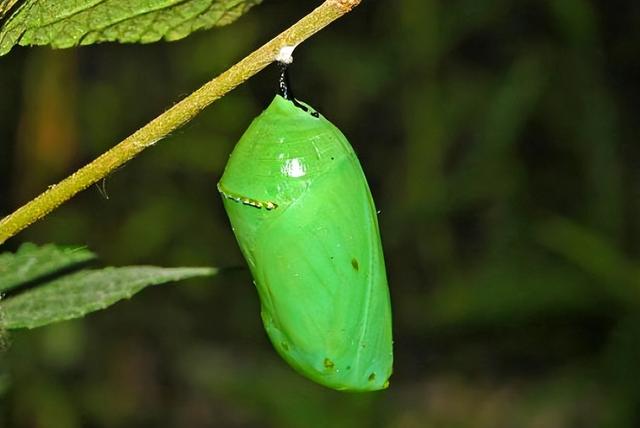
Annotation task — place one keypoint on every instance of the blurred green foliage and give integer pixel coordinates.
(500, 141)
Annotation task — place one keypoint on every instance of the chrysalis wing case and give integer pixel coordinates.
(302, 212)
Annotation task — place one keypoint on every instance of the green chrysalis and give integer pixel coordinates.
(301, 210)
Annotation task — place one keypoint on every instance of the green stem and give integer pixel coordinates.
(172, 119)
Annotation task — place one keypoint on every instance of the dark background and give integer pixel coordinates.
(500, 139)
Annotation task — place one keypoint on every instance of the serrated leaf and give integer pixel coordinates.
(31, 262)
(80, 293)
(66, 23)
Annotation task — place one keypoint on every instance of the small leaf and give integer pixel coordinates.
(80, 293)
(66, 23)
(31, 262)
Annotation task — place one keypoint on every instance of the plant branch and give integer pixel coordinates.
(172, 119)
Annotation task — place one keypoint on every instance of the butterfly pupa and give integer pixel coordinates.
(303, 215)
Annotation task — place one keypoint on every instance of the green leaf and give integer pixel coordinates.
(66, 23)
(80, 293)
(31, 262)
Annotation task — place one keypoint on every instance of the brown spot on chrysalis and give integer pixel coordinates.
(328, 364)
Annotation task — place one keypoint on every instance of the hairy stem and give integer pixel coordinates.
(172, 119)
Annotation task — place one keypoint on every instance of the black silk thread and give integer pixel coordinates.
(284, 89)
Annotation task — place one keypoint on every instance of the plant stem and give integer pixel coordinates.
(172, 119)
